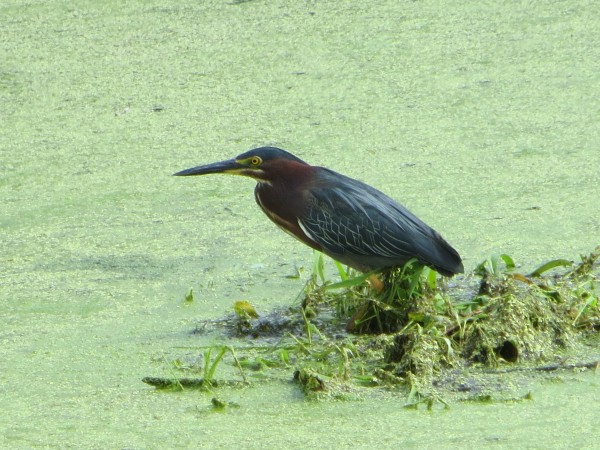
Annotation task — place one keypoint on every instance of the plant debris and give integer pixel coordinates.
(409, 331)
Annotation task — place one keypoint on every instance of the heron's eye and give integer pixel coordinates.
(256, 160)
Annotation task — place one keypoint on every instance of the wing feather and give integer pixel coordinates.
(358, 222)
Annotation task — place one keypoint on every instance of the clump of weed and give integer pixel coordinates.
(376, 302)
(512, 317)
(407, 328)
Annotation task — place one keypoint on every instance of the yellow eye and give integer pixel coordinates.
(256, 160)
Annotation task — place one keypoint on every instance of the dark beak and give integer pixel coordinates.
(229, 166)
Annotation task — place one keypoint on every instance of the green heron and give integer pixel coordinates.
(344, 218)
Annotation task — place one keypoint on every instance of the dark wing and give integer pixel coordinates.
(364, 228)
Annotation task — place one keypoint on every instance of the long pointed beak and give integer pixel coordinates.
(229, 166)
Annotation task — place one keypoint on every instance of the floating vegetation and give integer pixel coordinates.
(245, 310)
(189, 297)
(407, 329)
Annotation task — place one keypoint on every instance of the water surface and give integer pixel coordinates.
(482, 119)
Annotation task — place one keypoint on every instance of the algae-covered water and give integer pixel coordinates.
(482, 118)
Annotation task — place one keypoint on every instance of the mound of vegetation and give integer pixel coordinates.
(406, 329)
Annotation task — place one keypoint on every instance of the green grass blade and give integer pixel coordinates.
(213, 367)
(319, 266)
(349, 282)
(550, 265)
(343, 273)
(508, 261)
